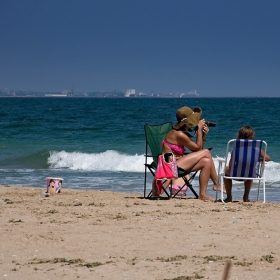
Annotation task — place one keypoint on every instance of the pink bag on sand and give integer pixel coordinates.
(157, 187)
(167, 167)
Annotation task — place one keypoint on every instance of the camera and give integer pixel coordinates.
(210, 123)
(192, 130)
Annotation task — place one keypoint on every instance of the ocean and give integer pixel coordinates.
(99, 143)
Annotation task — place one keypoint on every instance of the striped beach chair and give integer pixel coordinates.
(246, 162)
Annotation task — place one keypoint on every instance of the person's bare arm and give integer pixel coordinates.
(184, 140)
(267, 157)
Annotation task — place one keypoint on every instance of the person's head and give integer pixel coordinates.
(187, 117)
(246, 132)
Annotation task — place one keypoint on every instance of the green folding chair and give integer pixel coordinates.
(154, 134)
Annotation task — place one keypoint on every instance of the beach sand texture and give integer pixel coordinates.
(106, 235)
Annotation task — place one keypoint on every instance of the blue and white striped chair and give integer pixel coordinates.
(246, 163)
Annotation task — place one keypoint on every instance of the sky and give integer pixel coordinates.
(217, 47)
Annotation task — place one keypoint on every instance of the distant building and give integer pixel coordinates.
(55, 95)
(192, 93)
(130, 92)
(142, 94)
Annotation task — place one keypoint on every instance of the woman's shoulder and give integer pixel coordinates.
(175, 134)
(177, 137)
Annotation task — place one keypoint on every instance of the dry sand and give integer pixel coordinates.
(106, 235)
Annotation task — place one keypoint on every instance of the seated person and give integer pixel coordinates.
(245, 132)
(200, 159)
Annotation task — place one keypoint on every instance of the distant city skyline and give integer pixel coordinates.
(220, 48)
(128, 93)
(99, 94)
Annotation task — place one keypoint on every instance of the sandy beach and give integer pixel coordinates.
(107, 235)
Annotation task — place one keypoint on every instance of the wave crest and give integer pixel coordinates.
(106, 161)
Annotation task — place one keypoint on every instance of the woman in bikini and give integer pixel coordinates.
(200, 159)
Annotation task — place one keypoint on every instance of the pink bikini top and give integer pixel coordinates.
(176, 149)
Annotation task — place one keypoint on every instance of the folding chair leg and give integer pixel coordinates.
(263, 191)
(220, 180)
(145, 182)
(190, 186)
(263, 186)
(193, 191)
(150, 195)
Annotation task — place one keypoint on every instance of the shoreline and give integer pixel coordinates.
(116, 235)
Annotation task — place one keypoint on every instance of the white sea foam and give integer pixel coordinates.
(107, 161)
(118, 162)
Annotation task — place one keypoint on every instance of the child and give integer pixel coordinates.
(245, 132)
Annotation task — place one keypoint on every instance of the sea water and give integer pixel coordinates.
(99, 143)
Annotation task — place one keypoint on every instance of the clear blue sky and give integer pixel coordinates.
(218, 47)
